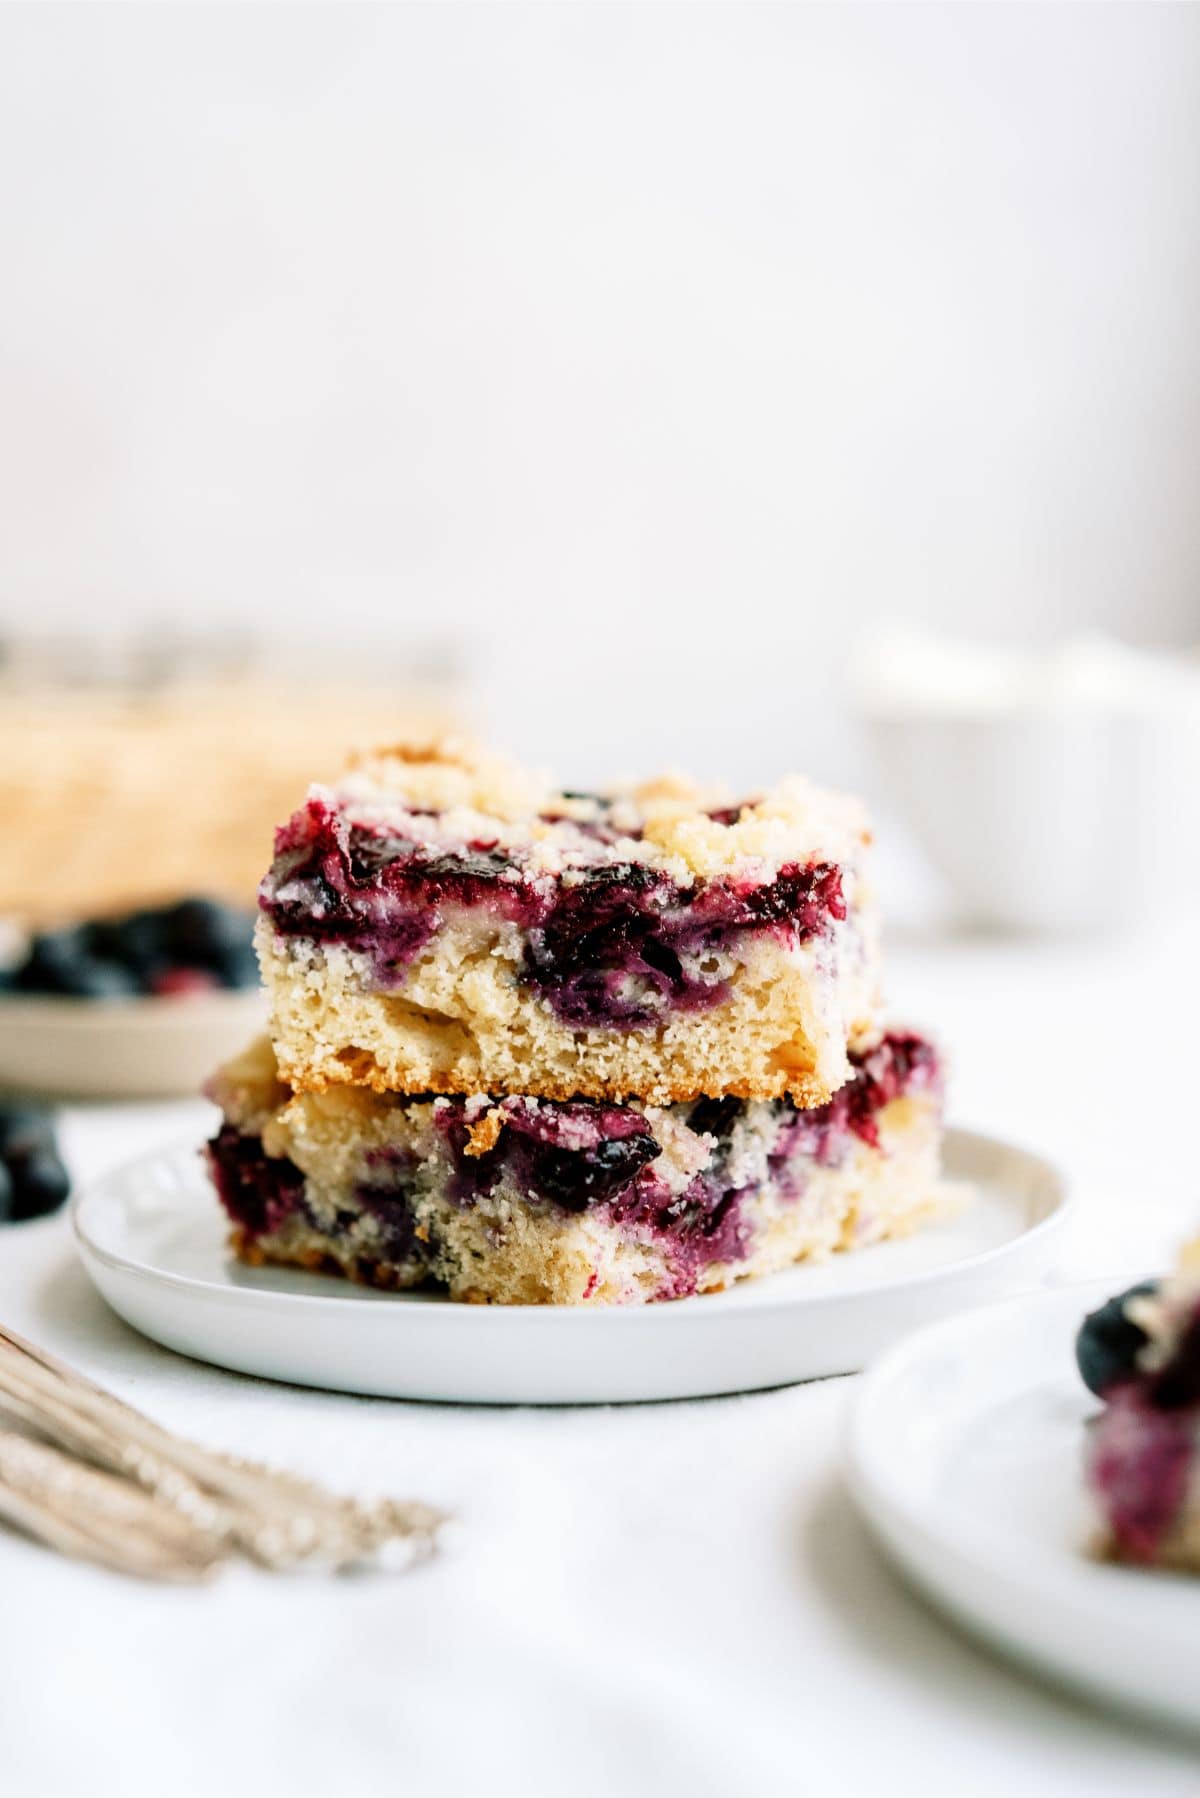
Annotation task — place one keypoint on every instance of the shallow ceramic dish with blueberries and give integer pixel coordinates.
(137, 1006)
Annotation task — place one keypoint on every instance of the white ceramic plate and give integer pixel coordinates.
(152, 1239)
(122, 1049)
(965, 1456)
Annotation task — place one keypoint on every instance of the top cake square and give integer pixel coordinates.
(441, 921)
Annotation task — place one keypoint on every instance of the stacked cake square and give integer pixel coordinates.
(544, 1047)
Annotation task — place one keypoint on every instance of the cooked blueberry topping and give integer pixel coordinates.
(259, 1191)
(391, 1207)
(715, 1117)
(190, 947)
(573, 1155)
(626, 944)
(368, 852)
(577, 1178)
(376, 892)
(901, 1063)
(702, 1224)
(1139, 1462)
(474, 1176)
(1108, 1343)
(583, 1154)
(615, 945)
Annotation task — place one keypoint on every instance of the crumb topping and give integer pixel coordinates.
(451, 794)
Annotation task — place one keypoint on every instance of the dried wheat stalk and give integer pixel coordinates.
(118, 1488)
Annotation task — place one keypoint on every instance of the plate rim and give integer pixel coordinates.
(1064, 1200)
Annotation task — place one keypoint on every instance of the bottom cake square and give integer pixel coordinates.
(543, 1202)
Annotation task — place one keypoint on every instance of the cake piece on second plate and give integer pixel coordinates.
(532, 1201)
(1140, 1353)
(444, 922)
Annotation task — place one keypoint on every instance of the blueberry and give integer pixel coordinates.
(136, 942)
(1108, 1342)
(201, 930)
(63, 962)
(236, 966)
(40, 1182)
(714, 1117)
(97, 979)
(577, 1178)
(52, 957)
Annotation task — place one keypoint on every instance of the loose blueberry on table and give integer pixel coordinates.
(197, 945)
(33, 1180)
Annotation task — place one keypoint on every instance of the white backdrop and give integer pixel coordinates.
(654, 349)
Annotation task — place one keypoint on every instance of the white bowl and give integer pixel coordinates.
(1048, 821)
(122, 1048)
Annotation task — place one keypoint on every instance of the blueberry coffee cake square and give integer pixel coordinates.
(529, 1200)
(1140, 1354)
(442, 922)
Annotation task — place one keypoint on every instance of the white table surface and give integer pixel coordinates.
(645, 1600)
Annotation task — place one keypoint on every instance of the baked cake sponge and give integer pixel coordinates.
(443, 922)
(527, 1200)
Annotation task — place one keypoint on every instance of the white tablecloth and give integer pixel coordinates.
(641, 1600)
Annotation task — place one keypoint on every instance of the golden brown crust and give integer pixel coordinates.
(483, 1136)
(454, 782)
(452, 752)
(361, 1071)
(253, 1253)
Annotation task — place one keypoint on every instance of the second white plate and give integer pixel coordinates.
(152, 1239)
(966, 1457)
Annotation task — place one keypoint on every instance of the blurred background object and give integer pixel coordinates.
(1053, 791)
(139, 772)
(647, 356)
